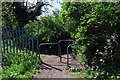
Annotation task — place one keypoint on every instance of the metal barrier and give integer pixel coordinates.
(68, 53)
(59, 47)
(46, 44)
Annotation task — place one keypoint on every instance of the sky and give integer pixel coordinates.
(55, 3)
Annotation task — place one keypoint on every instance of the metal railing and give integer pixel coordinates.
(43, 44)
(68, 53)
(59, 47)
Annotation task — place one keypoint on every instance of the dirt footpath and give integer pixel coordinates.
(53, 68)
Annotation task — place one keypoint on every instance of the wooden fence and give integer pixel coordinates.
(19, 40)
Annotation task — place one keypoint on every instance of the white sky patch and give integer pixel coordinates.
(64, 0)
(55, 3)
(31, 1)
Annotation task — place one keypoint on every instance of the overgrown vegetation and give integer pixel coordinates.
(17, 62)
(97, 36)
(95, 30)
(50, 30)
(96, 33)
(19, 65)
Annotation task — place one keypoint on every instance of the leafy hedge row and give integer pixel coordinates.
(96, 35)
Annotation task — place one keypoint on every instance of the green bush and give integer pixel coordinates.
(50, 29)
(19, 65)
(96, 35)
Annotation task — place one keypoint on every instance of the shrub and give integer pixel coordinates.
(19, 65)
(98, 33)
(50, 30)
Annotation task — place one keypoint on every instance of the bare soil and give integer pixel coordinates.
(53, 68)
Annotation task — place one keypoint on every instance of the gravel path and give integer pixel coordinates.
(53, 68)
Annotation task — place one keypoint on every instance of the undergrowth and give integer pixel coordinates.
(19, 65)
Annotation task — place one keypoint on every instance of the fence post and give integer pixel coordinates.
(16, 41)
(3, 30)
(1, 42)
(13, 40)
(29, 38)
(22, 39)
(10, 40)
(26, 40)
(19, 39)
(7, 39)
(38, 39)
(32, 42)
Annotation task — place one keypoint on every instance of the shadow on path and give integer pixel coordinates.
(52, 68)
(47, 67)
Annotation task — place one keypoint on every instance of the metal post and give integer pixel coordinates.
(23, 39)
(68, 54)
(38, 38)
(26, 41)
(29, 40)
(59, 47)
(13, 46)
(19, 39)
(7, 38)
(32, 43)
(16, 40)
(3, 39)
(46, 44)
(59, 52)
(11, 39)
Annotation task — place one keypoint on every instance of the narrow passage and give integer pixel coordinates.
(53, 68)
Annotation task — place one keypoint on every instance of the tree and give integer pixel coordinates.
(18, 11)
(8, 16)
(21, 13)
